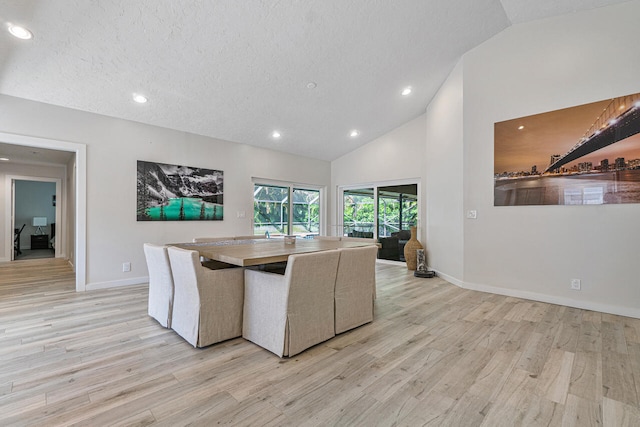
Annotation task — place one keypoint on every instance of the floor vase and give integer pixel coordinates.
(410, 254)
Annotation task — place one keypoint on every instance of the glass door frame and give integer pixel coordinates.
(375, 185)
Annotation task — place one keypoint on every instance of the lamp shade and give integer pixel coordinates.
(39, 221)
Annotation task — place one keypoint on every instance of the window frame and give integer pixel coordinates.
(291, 186)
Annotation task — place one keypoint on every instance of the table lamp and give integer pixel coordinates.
(39, 221)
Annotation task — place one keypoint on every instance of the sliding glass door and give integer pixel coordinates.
(397, 208)
(379, 211)
(358, 212)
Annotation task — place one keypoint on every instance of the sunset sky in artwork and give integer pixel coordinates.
(550, 133)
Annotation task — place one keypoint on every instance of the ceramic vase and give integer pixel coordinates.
(410, 249)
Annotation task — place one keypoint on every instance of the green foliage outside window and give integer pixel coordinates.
(359, 212)
(271, 210)
(389, 214)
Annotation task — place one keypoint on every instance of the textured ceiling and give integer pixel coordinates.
(237, 70)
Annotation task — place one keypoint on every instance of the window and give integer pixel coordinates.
(285, 210)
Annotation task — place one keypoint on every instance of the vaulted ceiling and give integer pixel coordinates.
(239, 70)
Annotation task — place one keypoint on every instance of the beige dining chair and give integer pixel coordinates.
(358, 239)
(207, 306)
(289, 313)
(160, 304)
(211, 239)
(210, 263)
(355, 287)
(331, 238)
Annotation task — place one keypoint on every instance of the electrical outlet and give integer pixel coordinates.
(575, 284)
(126, 267)
(472, 214)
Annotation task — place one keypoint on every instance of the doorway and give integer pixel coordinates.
(378, 210)
(75, 191)
(384, 211)
(36, 218)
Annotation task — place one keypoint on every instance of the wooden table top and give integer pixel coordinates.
(264, 251)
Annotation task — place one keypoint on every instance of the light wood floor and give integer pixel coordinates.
(435, 355)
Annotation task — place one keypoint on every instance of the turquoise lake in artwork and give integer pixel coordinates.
(186, 209)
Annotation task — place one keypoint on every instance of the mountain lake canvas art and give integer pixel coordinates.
(178, 193)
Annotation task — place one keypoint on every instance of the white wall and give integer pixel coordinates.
(397, 155)
(536, 250)
(113, 147)
(526, 251)
(444, 172)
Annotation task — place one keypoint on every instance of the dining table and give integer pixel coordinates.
(251, 252)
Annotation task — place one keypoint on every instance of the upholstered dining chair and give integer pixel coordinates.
(332, 238)
(210, 263)
(211, 239)
(160, 302)
(355, 287)
(207, 306)
(251, 237)
(289, 313)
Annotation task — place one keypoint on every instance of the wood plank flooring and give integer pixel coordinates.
(435, 355)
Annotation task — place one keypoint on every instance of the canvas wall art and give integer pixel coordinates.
(583, 155)
(178, 193)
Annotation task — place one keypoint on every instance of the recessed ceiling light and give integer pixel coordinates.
(4, 159)
(406, 91)
(520, 127)
(312, 85)
(275, 134)
(20, 32)
(140, 99)
(354, 133)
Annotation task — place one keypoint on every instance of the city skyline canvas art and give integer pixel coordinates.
(583, 155)
(178, 193)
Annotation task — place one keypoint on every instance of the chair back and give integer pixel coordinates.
(210, 239)
(186, 312)
(332, 238)
(310, 279)
(161, 287)
(355, 287)
(208, 303)
(18, 232)
(184, 265)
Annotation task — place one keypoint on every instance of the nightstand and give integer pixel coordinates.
(39, 241)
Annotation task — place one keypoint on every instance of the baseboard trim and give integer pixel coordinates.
(449, 279)
(117, 283)
(551, 299)
(5, 259)
(390, 262)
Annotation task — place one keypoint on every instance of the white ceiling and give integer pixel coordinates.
(237, 70)
(32, 155)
